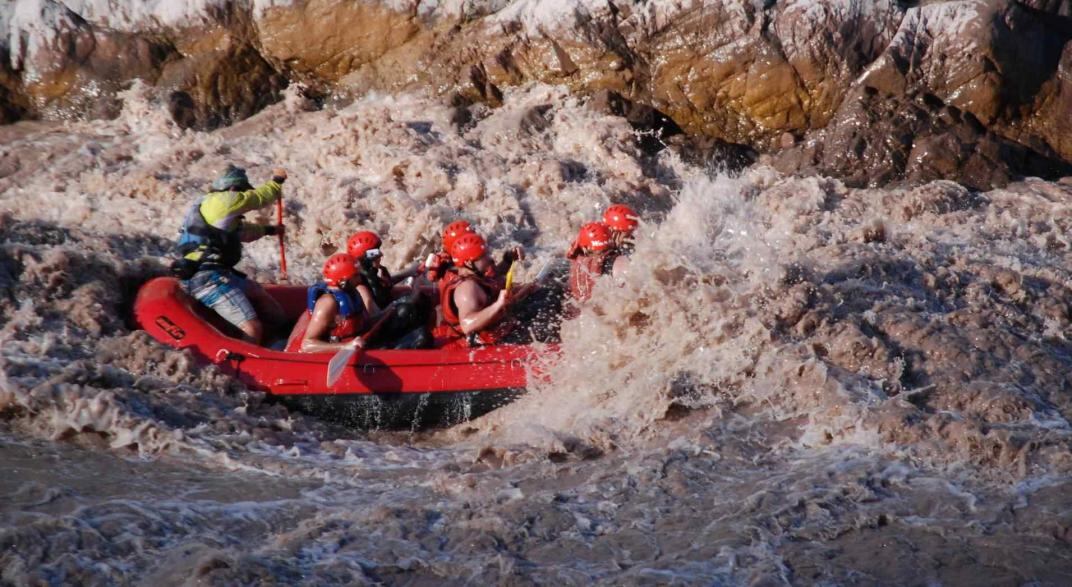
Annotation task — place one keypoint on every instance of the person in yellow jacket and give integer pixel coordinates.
(210, 245)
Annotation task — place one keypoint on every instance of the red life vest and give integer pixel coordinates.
(584, 269)
(451, 327)
(348, 321)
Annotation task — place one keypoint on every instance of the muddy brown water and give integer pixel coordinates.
(797, 382)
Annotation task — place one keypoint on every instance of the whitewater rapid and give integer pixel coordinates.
(799, 382)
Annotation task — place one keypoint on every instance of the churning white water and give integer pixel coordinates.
(798, 381)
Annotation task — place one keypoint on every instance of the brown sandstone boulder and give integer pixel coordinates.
(219, 77)
(80, 68)
(328, 40)
(214, 74)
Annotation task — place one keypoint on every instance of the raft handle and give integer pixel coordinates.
(226, 355)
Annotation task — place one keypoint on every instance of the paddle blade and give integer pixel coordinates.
(553, 270)
(338, 363)
(510, 276)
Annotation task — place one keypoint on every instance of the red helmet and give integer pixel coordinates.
(468, 248)
(594, 236)
(453, 231)
(338, 268)
(621, 218)
(362, 242)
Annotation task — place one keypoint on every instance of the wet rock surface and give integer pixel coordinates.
(833, 86)
(63, 64)
(875, 140)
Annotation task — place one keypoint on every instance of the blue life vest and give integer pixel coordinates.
(348, 306)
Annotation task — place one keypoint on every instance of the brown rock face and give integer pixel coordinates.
(219, 77)
(762, 72)
(214, 74)
(875, 91)
(875, 139)
(922, 111)
(81, 68)
(328, 40)
(1051, 118)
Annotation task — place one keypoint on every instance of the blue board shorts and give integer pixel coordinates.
(225, 292)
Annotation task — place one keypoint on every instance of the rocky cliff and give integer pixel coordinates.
(872, 91)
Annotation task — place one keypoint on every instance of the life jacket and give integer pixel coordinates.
(584, 269)
(378, 282)
(348, 321)
(216, 246)
(451, 326)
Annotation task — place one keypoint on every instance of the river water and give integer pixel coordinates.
(798, 382)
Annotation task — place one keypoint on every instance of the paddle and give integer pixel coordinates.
(545, 271)
(510, 276)
(342, 358)
(282, 247)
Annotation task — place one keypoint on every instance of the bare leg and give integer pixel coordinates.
(219, 291)
(267, 308)
(253, 330)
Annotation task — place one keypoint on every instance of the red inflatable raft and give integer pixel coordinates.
(169, 315)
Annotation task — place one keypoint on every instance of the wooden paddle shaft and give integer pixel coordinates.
(282, 247)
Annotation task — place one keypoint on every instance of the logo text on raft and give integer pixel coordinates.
(170, 327)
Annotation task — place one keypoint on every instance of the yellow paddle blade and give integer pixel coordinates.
(510, 276)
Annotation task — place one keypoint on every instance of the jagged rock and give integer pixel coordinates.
(782, 77)
(1052, 117)
(74, 68)
(219, 78)
(925, 111)
(876, 139)
(66, 65)
(321, 41)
